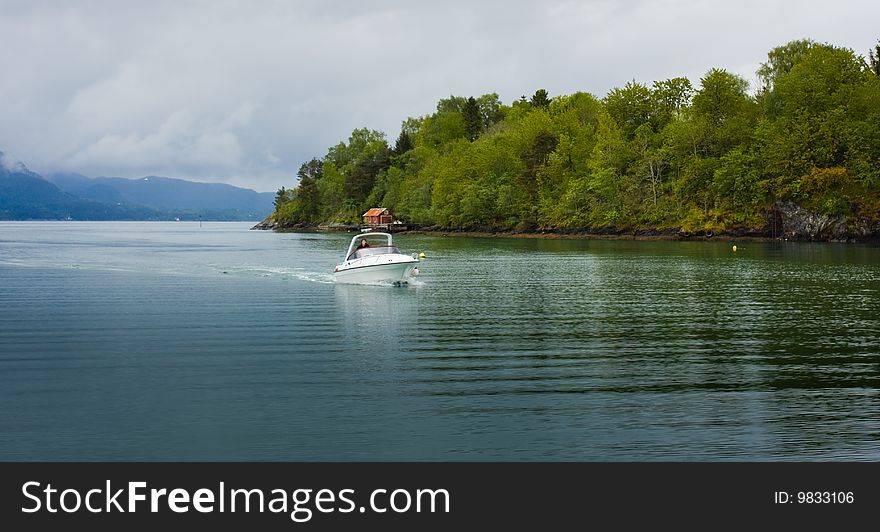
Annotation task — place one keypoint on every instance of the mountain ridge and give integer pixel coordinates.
(27, 195)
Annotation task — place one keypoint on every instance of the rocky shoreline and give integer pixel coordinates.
(785, 221)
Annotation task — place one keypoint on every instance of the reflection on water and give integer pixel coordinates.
(166, 342)
(376, 320)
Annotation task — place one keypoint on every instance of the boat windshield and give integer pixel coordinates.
(373, 250)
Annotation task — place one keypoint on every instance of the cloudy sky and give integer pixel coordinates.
(243, 92)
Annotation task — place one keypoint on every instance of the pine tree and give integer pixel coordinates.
(404, 144)
(540, 99)
(473, 120)
(281, 197)
(874, 58)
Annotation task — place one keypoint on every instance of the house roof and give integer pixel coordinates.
(376, 211)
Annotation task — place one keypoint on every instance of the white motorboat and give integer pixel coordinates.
(372, 258)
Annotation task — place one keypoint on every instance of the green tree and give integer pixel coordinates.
(453, 104)
(540, 99)
(874, 59)
(725, 110)
(473, 120)
(630, 107)
(652, 159)
(491, 110)
(863, 153)
(534, 159)
(403, 144)
(355, 166)
(782, 59)
(416, 183)
(307, 193)
(608, 185)
(441, 129)
(736, 183)
(812, 127)
(282, 196)
(670, 98)
(331, 195)
(574, 120)
(722, 96)
(361, 177)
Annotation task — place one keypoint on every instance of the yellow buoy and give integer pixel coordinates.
(734, 248)
(422, 255)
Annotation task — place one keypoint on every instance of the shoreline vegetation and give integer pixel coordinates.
(797, 158)
(601, 233)
(604, 233)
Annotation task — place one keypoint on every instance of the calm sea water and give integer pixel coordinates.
(171, 341)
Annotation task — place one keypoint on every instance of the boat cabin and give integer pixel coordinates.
(366, 244)
(372, 250)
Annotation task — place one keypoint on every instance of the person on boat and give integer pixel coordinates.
(362, 245)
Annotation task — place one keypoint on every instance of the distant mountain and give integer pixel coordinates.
(167, 193)
(18, 185)
(26, 195)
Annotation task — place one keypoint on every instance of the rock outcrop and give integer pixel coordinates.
(791, 221)
(268, 224)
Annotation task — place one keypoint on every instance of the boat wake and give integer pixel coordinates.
(315, 277)
(283, 273)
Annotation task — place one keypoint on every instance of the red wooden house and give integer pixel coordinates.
(378, 216)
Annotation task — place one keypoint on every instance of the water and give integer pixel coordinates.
(167, 341)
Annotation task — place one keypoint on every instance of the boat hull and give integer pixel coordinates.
(392, 271)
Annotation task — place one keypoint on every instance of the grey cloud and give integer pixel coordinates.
(243, 92)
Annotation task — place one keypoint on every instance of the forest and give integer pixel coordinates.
(717, 157)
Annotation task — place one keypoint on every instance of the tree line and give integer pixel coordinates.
(715, 157)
